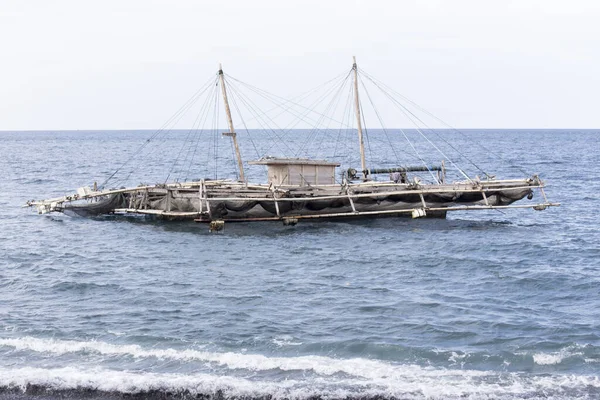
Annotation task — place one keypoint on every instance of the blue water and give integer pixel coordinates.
(482, 305)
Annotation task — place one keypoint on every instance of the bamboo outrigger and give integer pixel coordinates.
(301, 188)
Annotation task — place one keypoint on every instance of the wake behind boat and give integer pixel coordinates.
(300, 188)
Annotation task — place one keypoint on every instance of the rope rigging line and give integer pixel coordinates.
(183, 146)
(345, 117)
(265, 94)
(389, 140)
(311, 108)
(350, 135)
(273, 137)
(259, 116)
(366, 131)
(288, 105)
(286, 101)
(201, 121)
(315, 129)
(444, 140)
(233, 98)
(302, 116)
(406, 113)
(184, 108)
(425, 111)
(271, 97)
(320, 147)
(165, 136)
(252, 108)
(233, 157)
(279, 105)
(144, 158)
(415, 150)
(418, 154)
(199, 131)
(189, 136)
(216, 134)
(328, 95)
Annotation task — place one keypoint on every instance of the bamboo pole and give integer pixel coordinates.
(361, 143)
(378, 194)
(485, 185)
(230, 122)
(373, 213)
(437, 189)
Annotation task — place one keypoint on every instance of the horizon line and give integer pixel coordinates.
(295, 129)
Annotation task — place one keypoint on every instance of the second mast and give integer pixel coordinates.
(361, 143)
(230, 122)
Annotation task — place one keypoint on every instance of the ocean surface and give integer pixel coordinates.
(481, 305)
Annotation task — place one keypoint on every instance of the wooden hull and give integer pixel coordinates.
(207, 201)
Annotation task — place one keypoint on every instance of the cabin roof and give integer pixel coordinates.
(292, 161)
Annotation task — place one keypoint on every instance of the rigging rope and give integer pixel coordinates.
(422, 134)
(233, 96)
(405, 111)
(323, 115)
(199, 131)
(252, 108)
(163, 140)
(263, 93)
(345, 117)
(330, 94)
(425, 111)
(182, 110)
(408, 140)
(216, 133)
(385, 130)
(189, 136)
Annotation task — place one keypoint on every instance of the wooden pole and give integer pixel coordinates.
(231, 130)
(539, 207)
(363, 163)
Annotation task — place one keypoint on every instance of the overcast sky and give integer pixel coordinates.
(119, 64)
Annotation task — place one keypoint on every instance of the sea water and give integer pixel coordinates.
(481, 305)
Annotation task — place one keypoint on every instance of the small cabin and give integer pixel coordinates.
(298, 171)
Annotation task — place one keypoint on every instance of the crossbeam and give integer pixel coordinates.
(539, 206)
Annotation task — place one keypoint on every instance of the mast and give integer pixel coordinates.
(361, 143)
(230, 122)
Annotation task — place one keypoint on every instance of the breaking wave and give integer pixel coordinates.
(410, 384)
(321, 365)
(252, 376)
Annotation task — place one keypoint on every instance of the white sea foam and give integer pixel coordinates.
(132, 382)
(456, 358)
(333, 378)
(435, 385)
(285, 340)
(556, 357)
(548, 359)
(327, 366)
